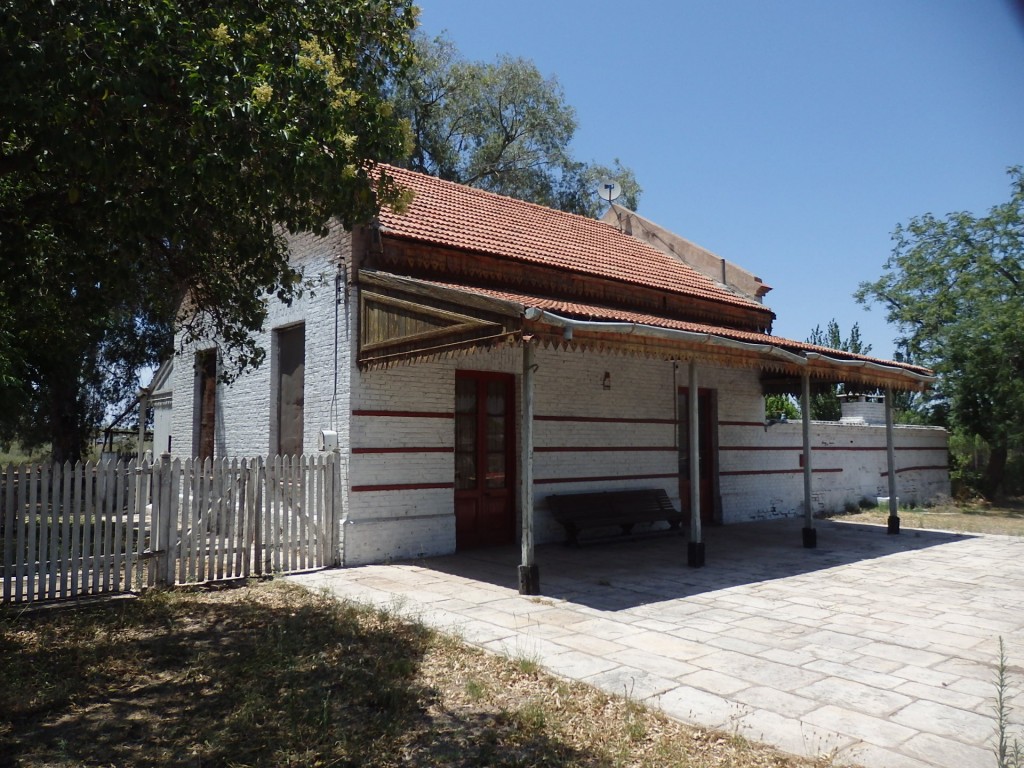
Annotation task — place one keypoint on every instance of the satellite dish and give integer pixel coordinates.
(608, 190)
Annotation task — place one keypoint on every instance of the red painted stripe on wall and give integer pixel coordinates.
(403, 487)
(799, 448)
(595, 448)
(603, 420)
(876, 448)
(738, 472)
(403, 450)
(408, 414)
(916, 469)
(816, 449)
(617, 478)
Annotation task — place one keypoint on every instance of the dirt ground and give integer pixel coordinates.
(1006, 518)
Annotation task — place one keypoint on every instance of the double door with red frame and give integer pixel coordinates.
(485, 459)
(706, 421)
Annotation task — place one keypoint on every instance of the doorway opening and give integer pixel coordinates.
(484, 459)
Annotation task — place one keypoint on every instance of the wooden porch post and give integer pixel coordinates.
(695, 548)
(810, 534)
(890, 456)
(529, 574)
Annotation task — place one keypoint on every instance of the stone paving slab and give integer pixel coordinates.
(792, 735)
(880, 649)
(631, 682)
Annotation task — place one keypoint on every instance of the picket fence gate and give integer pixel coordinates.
(115, 526)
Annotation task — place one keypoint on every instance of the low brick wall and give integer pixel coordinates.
(764, 480)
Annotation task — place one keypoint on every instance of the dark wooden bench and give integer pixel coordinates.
(605, 509)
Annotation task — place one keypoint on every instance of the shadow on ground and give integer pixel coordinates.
(616, 575)
(186, 680)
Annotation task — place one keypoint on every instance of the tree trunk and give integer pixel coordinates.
(68, 434)
(992, 480)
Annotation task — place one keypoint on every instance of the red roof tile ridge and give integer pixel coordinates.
(395, 171)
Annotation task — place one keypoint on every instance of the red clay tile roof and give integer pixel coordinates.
(579, 311)
(457, 216)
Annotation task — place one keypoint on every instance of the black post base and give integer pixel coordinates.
(810, 538)
(529, 580)
(695, 554)
(894, 524)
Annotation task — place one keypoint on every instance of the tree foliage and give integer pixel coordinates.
(502, 127)
(954, 287)
(157, 151)
(778, 406)
(825, 404)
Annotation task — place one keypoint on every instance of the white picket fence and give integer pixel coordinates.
(97, 528)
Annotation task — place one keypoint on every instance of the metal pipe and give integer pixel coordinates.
(695, 549)
(529, 576)
(890, 458)
(541, 315)
(872, 366)
(535, 314)
(810, 535)
(143, 408)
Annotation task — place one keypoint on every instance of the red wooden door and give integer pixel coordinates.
(706, 457)
(484, 459)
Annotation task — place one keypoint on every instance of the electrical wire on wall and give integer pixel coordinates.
(675, 404)
(338, 278)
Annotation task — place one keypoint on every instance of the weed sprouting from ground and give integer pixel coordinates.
(528, 664)
(476, 689)
(1009, 750)
(636, 721)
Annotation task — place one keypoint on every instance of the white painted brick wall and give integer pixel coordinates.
(570, 383)
(397, 538)
(392, 524)
(246, 408)
(833, 446)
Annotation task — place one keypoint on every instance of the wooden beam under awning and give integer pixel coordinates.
(401, 320)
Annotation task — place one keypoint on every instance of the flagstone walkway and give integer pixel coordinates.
(881, 648)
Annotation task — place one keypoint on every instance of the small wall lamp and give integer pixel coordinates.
(606, 382)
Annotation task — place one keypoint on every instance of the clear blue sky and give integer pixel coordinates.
(790, 136)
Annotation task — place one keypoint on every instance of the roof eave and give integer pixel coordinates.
(775, 357)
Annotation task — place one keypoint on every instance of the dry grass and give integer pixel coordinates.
(271, 675)
(978, 517)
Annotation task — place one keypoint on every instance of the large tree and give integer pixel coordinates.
(158, 150)
(502, 127)
(954, 287)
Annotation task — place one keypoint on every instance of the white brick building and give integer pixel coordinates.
(414, 350)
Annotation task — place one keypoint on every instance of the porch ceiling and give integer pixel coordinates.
(406, 319)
